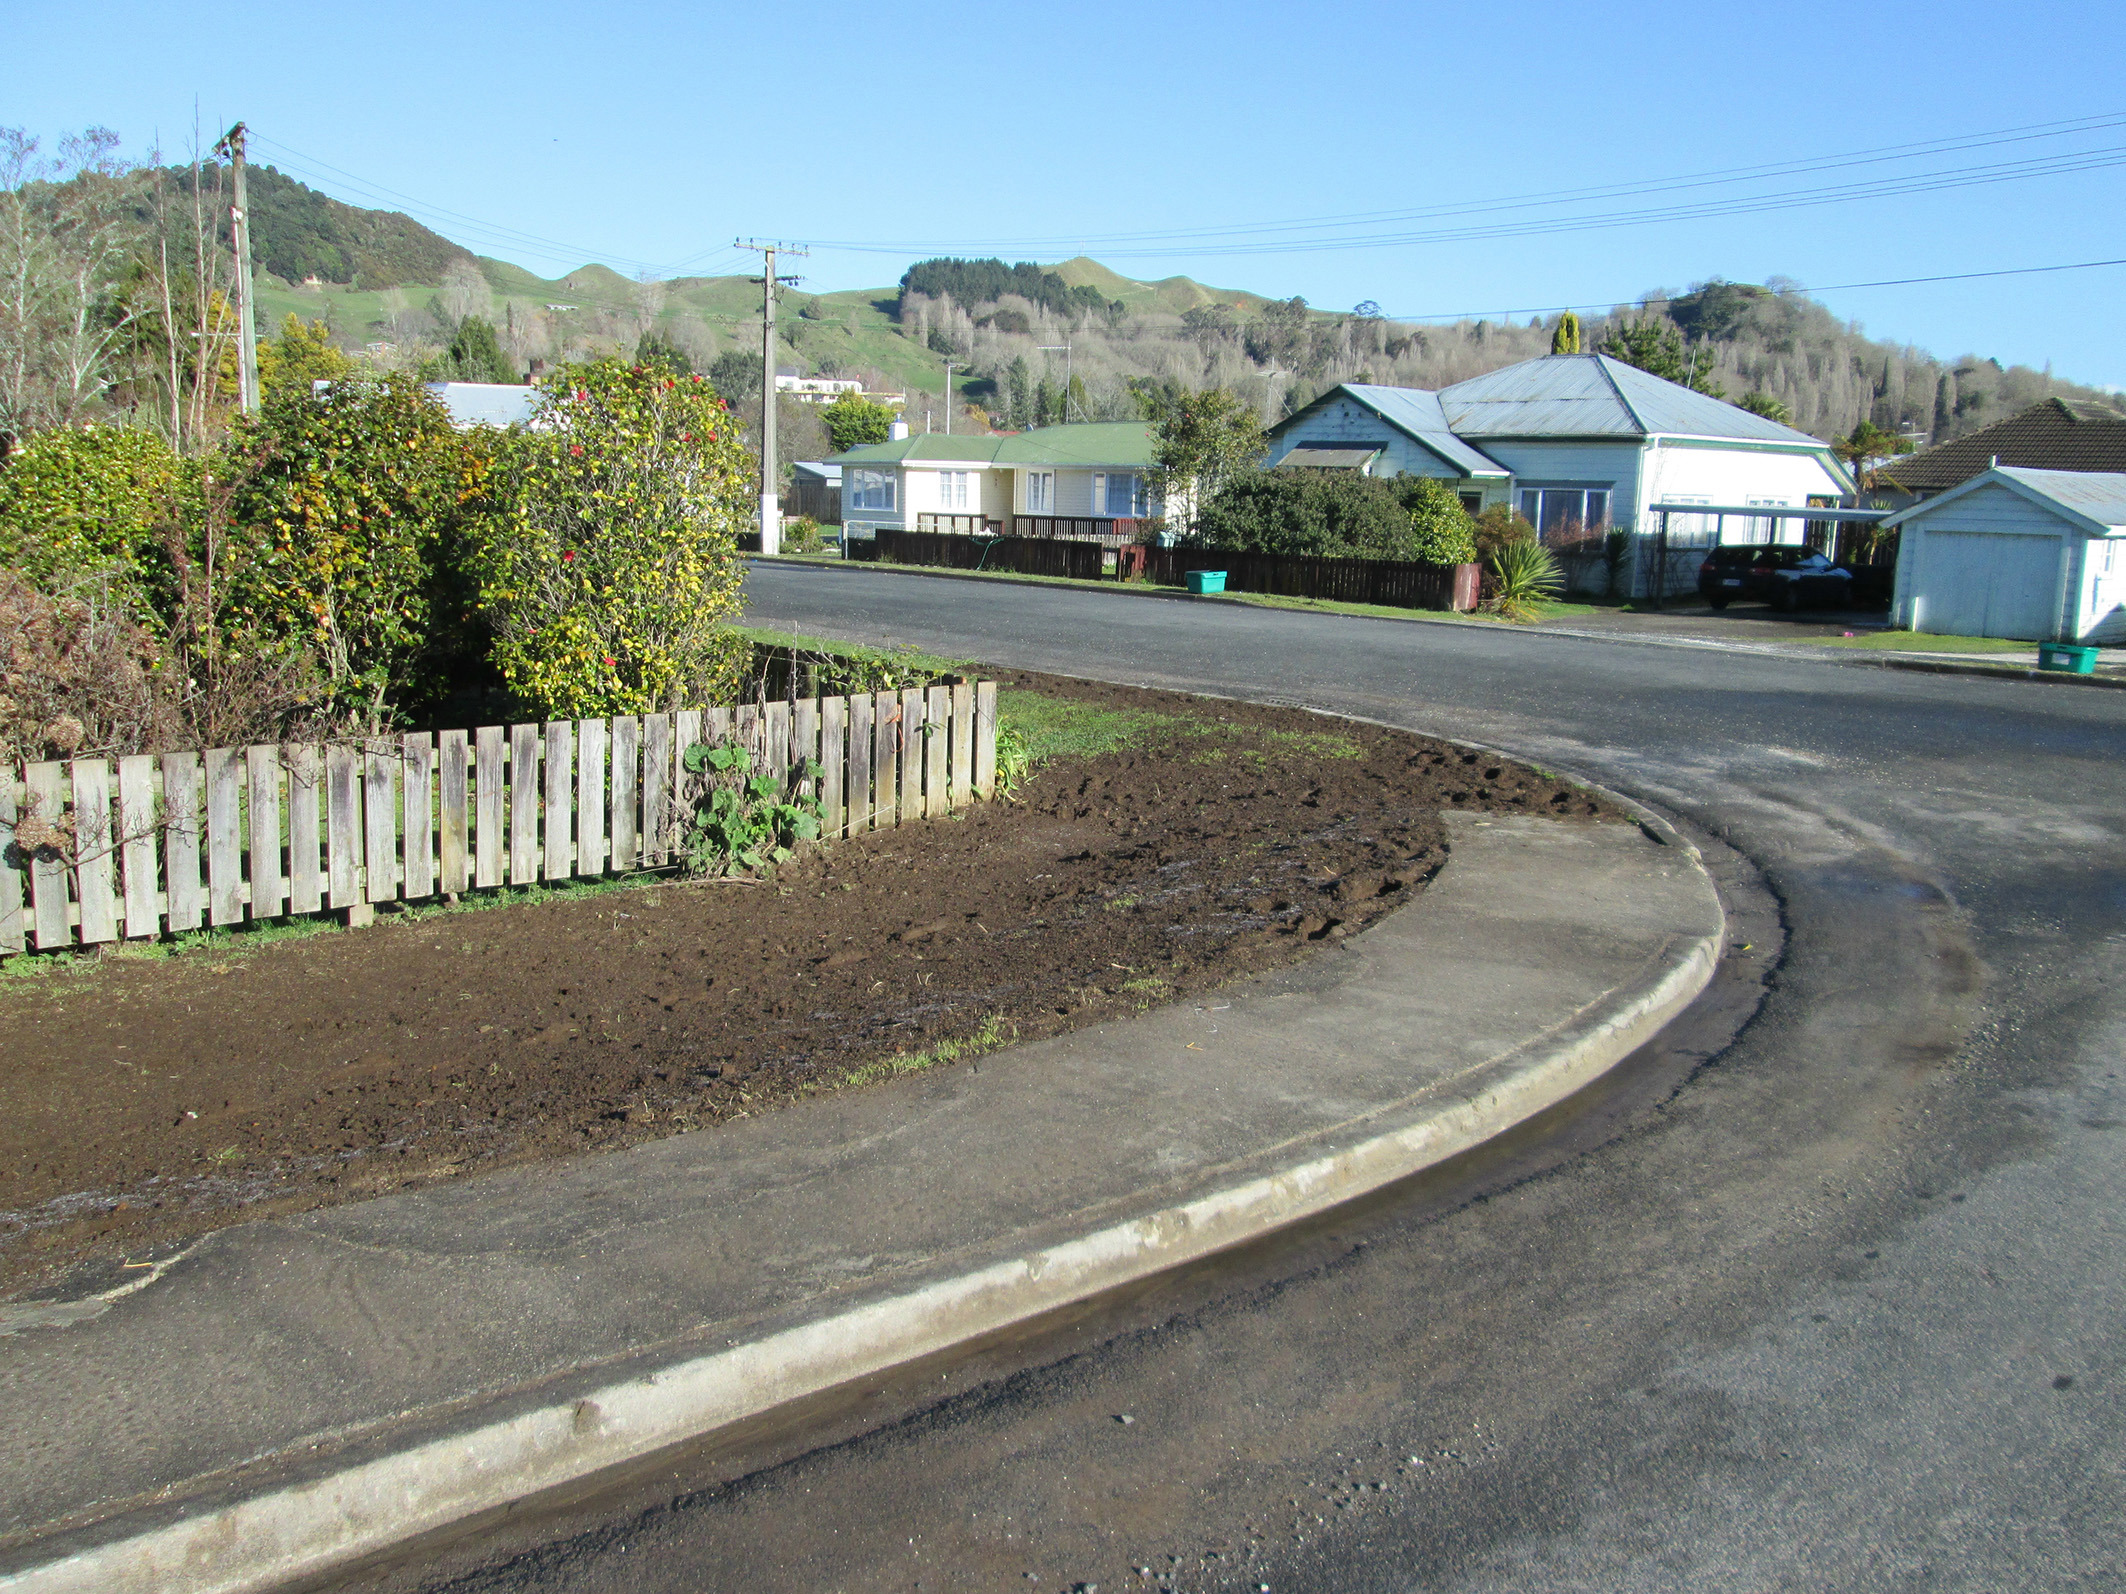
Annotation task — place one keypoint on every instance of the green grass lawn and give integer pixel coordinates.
(1927, 642)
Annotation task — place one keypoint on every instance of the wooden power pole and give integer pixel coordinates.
(246, 312)
(770, 498)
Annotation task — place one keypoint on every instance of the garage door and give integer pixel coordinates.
(1990, 583)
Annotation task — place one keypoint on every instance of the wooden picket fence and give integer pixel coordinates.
(100, 850)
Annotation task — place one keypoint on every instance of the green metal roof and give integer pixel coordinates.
(1095, 443)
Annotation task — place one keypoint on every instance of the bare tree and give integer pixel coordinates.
(465, 292)
(69, 231)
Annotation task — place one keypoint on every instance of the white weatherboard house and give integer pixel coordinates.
(2034, 554)
(1090, 480)
(1579, 444)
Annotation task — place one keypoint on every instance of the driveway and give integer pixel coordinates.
(1839, 1302)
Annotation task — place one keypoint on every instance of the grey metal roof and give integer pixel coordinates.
(2099, 496)
(2095, 500)
(486, 403)
(1329, 458)
(813, 467)
(1593, 395)
(1417, 411)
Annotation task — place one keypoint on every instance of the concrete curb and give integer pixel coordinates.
(485, 1461)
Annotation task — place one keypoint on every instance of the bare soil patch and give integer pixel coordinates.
(144, 1101)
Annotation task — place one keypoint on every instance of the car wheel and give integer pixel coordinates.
(1719, 602)
(1783, 598)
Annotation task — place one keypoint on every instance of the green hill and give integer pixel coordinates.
(379, 276)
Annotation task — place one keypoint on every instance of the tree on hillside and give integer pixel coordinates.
(1201, 441)
(1770, 408)
(69, 234)
(1018, 395)
(1657, 348)
(304, 354)
(1566, 338)
(735, 375)
(853, 420)
(655, 347)
(475, 355)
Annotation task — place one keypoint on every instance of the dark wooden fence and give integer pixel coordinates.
(1024, 556)
(1389, 582)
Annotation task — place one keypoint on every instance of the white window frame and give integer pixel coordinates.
(1040, 492)
(1137, 503)
(871, 489)
(952, 489)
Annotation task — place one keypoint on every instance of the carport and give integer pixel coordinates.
(1692, 547)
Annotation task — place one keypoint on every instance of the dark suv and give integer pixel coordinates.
(1786, 577)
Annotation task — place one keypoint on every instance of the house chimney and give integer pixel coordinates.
(897, 432)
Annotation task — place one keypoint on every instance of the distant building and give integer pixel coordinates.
(1089, 482)
(815, 492)
(826, 389)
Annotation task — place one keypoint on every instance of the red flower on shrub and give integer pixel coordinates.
(575, 448)
(569, 558)
(686, 437)
(611, 662)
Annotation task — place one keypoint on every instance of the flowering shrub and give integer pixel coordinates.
(610, 572)
(354, 502)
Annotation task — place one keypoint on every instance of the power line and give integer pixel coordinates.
(1741, 205)
(1579, 194)
(1833, 287)
(494, 231)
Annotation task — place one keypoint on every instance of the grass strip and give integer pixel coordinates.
(1927, 642)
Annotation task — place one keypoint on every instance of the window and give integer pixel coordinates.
(871, 489)
(1689, 531)
(1121, 495)
(1040, 492)
(952, 488)
(1472, 503)
(1566, 514)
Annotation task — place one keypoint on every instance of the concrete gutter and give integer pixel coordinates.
(292, 1396)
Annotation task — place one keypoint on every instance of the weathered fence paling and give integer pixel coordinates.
(97, 850)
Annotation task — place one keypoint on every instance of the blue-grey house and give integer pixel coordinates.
(1581, 445)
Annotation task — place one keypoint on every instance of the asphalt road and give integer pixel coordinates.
(1842, 1308)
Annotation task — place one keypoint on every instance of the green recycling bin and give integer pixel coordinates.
(1202, 581)
(2072, 657)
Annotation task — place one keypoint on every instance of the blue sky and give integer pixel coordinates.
(551, 134)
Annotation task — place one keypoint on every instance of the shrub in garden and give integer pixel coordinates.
(609, 574)
(353, 505)
(1498, 526)
(1336, 514)
(1523, 574)
(74, 502)
(1441, 532)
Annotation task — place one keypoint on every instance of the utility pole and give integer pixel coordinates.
(949, 365)
(1064, 350)
(246, 315)
(770, 499)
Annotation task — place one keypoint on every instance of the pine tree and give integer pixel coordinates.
(1018, 395)
(1566, 338)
